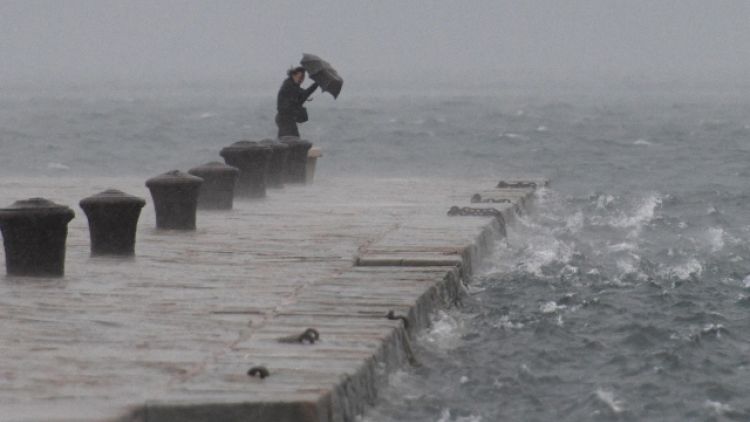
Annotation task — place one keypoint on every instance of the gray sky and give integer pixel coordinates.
(79, 41)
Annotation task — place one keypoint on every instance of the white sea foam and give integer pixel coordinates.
(622, 246)
(534, 248)
(505, 323)
(398, 378)
(715, 237)
(539, 255)
(57, 166)
(602, 201)
(445, 331)
(714, 329)
(643, 214)
(551, 307)
(718, 407)
(642, 142)
(608, 398)
(686, 270)
(445, 416)
(574, 223)
(627, 264)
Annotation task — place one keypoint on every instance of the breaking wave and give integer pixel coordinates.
(596, 307)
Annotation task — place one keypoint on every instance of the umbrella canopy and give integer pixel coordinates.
(321, 72)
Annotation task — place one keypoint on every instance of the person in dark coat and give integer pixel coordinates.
(290, 101)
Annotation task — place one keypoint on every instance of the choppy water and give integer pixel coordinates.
(624, 297)
(628, 307)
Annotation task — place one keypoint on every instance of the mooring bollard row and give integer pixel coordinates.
(217, 190)
(296, 168)
(252, 159)
(34, 234)
(175, 196)
(278, 164)
(113, 220)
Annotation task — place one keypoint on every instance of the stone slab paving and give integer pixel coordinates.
(170, 334)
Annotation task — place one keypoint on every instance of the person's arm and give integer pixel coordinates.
(308, 92)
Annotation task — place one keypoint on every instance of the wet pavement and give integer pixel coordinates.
(169, 334)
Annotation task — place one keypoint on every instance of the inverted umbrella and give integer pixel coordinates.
(321, 72)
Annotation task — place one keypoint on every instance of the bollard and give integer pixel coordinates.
(34, 233)
(296, 165)
(252, 159)
(113, 220)
(217, 190)
(312, 161)
(175, 196)
(277, 166)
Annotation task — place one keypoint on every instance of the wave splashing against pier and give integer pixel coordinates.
(599, 307)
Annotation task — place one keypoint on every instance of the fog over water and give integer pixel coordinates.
(85, 41)
(139, 85)
(624, 297)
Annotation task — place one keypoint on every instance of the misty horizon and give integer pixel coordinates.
(484, 42)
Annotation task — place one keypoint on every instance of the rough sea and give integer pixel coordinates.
(624, 296)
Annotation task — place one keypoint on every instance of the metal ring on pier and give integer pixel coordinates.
(474, 212)
(258, 371)
(516, 185)
(310, 335)
(477, 198)
(393, 317)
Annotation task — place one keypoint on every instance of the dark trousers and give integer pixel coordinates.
(287, 126)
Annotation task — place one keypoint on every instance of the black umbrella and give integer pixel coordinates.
(321, 72)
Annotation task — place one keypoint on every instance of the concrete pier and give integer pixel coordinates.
(171, 334)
